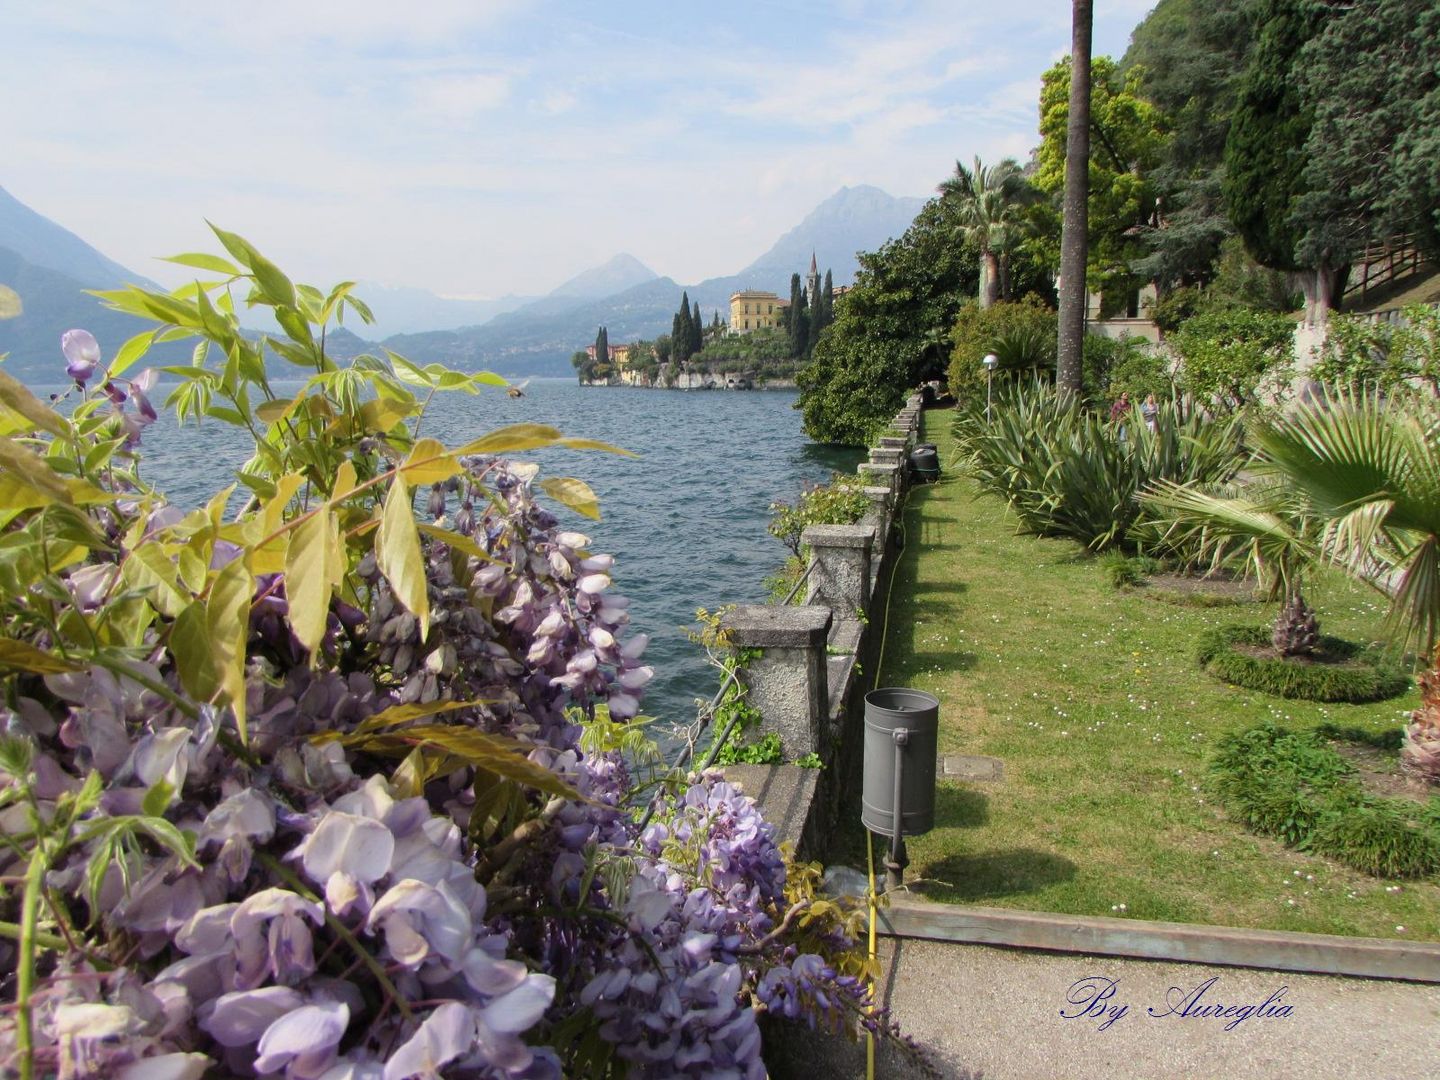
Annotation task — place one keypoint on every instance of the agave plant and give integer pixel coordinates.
(1066, 472)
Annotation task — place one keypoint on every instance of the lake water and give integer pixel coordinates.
(685, 520)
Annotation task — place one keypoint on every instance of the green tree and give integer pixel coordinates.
(990, 201)
(890, 330)
(1191, 55)
(799, 319)
(1076, 187)
(697, 329)
(1127, 140)
(1264, 154)
(602, 368)
(1370, 160)
(583, 365)
(682, 332)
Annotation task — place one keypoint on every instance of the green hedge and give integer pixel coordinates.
(1363, 675)
(1295, 787)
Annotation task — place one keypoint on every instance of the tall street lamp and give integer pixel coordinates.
(990, 361)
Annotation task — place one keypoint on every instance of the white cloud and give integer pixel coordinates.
(459, 97)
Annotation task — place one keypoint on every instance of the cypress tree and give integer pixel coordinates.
(697, 328)
(799, 332)
(684, 329)
(602, 351)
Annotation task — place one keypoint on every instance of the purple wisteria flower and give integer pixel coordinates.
(82, 354)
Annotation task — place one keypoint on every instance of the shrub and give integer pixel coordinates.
(840, 502)
(1380, 837)
(1021, 335)
(1067, 471)
(1233, 358)
(1126, 570)
(1396, 357)
(1294, 786)
(1361, 676)
(1113, 366)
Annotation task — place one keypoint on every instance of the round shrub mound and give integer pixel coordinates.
(1353, 674)
(1296, 787)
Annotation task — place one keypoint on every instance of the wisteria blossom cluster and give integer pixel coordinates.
(243, 834)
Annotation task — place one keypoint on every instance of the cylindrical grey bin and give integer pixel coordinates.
(925, 462)
(919, 713)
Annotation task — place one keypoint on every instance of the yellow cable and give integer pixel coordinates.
(870, 1035)
(869, 839)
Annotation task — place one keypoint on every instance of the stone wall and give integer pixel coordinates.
(812, 660)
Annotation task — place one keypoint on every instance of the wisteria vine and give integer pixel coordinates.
(241, 834)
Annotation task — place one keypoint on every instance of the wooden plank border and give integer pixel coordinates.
(1326, 954)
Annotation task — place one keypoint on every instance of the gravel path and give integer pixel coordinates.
(998, 1012)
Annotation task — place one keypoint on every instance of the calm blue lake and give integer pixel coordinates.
(685, 520)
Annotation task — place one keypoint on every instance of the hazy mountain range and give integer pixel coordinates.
(51, 267)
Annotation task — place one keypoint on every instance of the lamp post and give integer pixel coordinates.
(990, 361)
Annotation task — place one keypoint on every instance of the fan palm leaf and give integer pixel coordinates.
(1369, 473)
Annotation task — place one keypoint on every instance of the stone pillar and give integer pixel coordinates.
(894, 442)
(888, 455)
(879, 513)
(839, 567)
(787, 682)
(887, 476)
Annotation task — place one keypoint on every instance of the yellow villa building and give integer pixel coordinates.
(754, 309)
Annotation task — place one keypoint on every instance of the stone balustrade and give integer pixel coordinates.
(804, 666)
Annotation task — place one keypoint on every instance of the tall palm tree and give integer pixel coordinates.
(989, 200)
(1075, 203)
(1365, 476)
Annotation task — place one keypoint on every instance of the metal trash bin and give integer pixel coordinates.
(925, 463)
(918, 713)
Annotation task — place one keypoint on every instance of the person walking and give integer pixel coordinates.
(1150, 412)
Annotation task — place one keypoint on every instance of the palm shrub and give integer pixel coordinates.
(1067, 471)
(1261, 525)
(1362, 479)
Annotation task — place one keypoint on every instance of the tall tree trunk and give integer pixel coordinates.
(989, 278)
(1077, 190)
(1323, 287)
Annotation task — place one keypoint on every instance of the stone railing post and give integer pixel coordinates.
(839, 567)
(885, 455)
(894, 442)
(787, 681)
(879, 513)
(886, 476)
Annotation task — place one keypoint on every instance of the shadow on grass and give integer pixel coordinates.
(989, 875)
(918, 591)
(960, 807)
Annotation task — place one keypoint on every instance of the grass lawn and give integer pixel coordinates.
(1091, 698)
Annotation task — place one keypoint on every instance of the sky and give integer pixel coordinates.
(485, 147)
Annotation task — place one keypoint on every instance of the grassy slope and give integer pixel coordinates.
(1091, 698)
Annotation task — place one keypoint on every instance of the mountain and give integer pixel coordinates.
(539, 338)
(50, 268)
(403, 310)
(853, 219)
(39, 241)
(619, 274)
